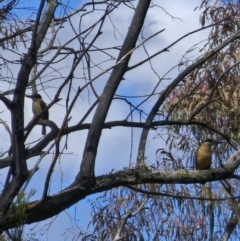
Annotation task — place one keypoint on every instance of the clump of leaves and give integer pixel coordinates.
(18, 208)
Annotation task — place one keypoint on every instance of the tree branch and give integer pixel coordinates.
(126, 217)
(52, 205)
(90, 150)
(170, 87)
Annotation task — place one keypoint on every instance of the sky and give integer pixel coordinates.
(115, 143)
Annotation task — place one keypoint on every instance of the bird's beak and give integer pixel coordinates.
(29, 96)
(217, 142)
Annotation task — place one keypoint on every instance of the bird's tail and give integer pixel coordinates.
(44, 130)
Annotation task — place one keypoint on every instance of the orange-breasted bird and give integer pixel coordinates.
(204, 154)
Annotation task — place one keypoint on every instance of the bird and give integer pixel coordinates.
(38, 106)
(204, 154)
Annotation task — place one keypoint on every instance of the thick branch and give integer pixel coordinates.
(90, 151)
(41, 210)
(37, 149)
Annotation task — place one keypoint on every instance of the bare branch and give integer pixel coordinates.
(126, 217)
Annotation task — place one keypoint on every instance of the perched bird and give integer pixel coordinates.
(204, 154)
(37, 107)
